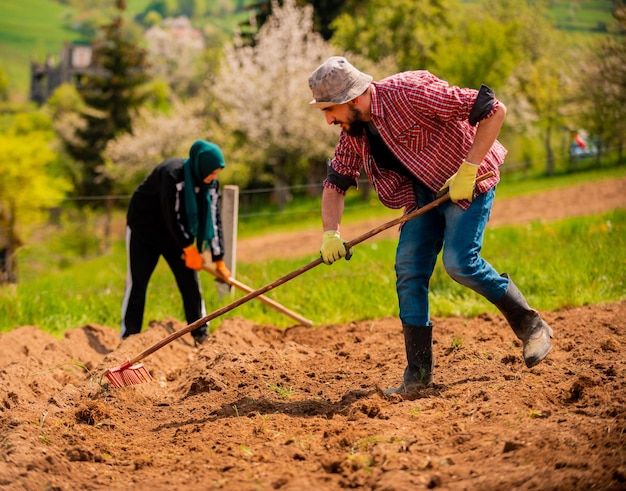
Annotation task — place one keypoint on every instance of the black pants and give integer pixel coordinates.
(142, 256)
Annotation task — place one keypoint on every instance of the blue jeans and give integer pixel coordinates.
(460, 233)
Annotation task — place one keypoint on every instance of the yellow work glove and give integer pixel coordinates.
(222, 270)
(193, 259)
(461, 184)
(333, 247)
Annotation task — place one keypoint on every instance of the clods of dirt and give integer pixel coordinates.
(257, 407)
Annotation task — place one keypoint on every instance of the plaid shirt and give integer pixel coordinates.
(424, 122)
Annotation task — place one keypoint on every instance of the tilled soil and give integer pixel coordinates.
(258, 408)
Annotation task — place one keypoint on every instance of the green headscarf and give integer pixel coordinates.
(204, 158)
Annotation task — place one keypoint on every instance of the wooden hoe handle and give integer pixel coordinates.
(293, 274)
(243, 287)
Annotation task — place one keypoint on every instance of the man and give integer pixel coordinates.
(176, 205)
(415, 135)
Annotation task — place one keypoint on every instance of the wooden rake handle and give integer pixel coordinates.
(303, 269)
(268, 301)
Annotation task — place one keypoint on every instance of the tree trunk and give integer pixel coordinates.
(8, 265)
(366, 190)
(549, 154)
(282, 194)
(108, 220)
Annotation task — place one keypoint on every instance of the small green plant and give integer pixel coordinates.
(415, 410)
(281, 391)
(84, 368)
(457, 343)
(105, 422)
(360, 461)
(364, 443)
(43, 437)
(246, 451)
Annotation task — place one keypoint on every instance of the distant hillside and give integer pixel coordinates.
(582, 15)
(31, 30)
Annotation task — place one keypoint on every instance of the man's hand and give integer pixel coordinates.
(222, 270)
(333, 247)
(193, 259)
(461, 184)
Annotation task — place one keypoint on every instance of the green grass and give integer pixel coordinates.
(516, 184)
(29, 31)
(305, 212)
(32, 30)
(583, 15)
(573, 262)
(567, 263)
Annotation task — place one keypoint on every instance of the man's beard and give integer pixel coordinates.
(356, 125)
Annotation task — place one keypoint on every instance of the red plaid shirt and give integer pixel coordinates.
(424, 122)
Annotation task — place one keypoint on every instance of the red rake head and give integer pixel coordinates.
(127, 375)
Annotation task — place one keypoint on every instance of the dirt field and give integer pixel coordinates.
(259, 408)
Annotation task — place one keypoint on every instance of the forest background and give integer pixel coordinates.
(168, 72)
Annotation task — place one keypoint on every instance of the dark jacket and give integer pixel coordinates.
(157, 209)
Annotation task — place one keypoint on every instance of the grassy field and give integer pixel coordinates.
(29, 31)
(32, 30)
(567, 263)
(304, 212)
(582, 15)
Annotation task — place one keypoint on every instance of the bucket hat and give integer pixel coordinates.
(336, 81)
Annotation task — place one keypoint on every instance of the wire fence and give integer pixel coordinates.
(258, 203)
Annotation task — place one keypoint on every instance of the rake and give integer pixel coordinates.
(268, 301)
(131, 372)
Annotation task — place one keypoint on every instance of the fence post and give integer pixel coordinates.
(230, 221)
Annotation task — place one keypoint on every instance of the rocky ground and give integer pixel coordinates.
(259, 408)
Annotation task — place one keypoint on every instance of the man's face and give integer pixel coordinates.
(349, 117)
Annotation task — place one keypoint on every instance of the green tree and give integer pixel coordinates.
(156, 136)
(89, 14)
(28, 184)
(602, 90)
(4, 85)
(478, 50)
(263, 100)
(539, 92)
(164, 9)
(324, 13)
(174, 52)
(111, 95)
(408, 31)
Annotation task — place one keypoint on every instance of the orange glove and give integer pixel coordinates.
(193, 259)
(222, 270)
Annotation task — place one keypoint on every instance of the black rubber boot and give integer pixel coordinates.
(418, 374)
(200, 335)
(526, 323)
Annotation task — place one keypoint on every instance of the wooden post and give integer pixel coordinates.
(230, 214)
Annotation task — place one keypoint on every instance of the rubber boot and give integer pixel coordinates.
(200, 335)
(418, 374)
(526, 323)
